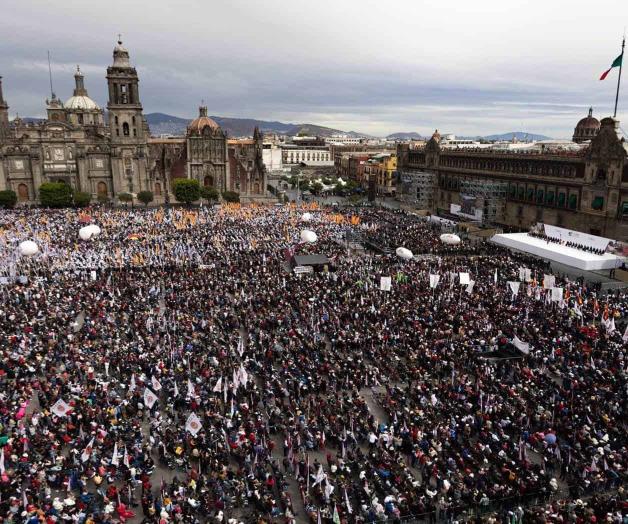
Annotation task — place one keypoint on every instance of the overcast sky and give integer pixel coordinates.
(465, 67)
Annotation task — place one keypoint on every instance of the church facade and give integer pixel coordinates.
(106, 154)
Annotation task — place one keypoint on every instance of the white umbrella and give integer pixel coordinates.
(450, 238)
(404, 253)
(28, 248)
(308, 236)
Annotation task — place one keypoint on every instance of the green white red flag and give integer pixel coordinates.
(616, 63)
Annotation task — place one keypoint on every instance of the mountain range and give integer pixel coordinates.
(519, 135)
(162, 124)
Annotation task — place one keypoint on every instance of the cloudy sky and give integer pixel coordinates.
(466, 67)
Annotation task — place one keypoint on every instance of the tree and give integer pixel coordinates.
(125, 197)
(209, 193)
(230, 196)
(8, 199)
(316, 188)
(82, 199)
(145, 197)
(187, 190)
(55, 194)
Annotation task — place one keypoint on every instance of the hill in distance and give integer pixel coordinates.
(519, 135)
(163, 124)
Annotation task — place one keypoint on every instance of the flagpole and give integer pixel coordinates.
(623, 44)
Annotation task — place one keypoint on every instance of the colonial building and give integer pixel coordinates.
(248, 174)
(75, 145)
(585, 189)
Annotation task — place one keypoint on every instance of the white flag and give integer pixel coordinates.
(348, 504)
(106, 369)
(115, 460)
(495, 277)
(60, 408)
(557, 294)
(132, 386)
(191, 391)
(524, 347)
(236, 380)
(155, 383)
(218, 386)
(514, 286)
(625, 337)
(240, 346)
(243, 375)
(176, 389)
(2, 461)
(470, 286)
(125, 458)
(320, 476)
(87, 452)
(149, 398)
(434, 280)
(464, 279)
(385, 283)
(193, 424)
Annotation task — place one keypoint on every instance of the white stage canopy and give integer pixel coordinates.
(557, 252)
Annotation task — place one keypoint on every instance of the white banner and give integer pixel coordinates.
(193, 424)
(470, 287)
(434, 280)
(385, 283)
(464, 279)
(548, 281)
(524, 347)
(557, 294)
(514, 286)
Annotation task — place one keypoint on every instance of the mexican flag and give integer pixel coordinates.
(616, 63)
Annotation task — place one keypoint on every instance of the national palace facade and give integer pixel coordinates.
(584, 189)
(112, 152)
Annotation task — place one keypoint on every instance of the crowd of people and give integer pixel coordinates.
(174, 369)
(567, 243)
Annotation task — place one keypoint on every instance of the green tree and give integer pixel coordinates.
(125, 197)
(230, 196)
(8, 199)
(145, 197)
(55, 194)
(209, 193)
(316, 188)
(187, 190)
(82, 199)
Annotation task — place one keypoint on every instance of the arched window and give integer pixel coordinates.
(101, 189)
(256, 188)
(125, 129)
(133, 120)
(22, 193)
(157, 189)
(208, 181)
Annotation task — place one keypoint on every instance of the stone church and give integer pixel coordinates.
(106, 154)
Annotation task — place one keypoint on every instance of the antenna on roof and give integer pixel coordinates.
(52, 93)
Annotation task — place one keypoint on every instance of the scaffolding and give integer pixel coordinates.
(490, 197)
(418, 188)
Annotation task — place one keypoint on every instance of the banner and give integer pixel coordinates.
(524, 347)
(514, 286)
(525, 274)
(464, 279)
(193, 424)
(548, 281)
(149, 398)
(60, 408)
(434, 280)
(470, 286)
(557, 294)
(385, 283)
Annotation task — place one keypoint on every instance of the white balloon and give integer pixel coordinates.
(95, 229)
(85, 233)
(28, 248)
(308, 236)
(306, 217)
(450, 238)
(404, 253)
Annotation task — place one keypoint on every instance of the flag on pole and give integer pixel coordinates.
(87, 452)
(132, 386)
(347, 503)
(616, 63)
(176, 389)
(2, 461)
(191, 391)
(115, 459)
(336, 517)
(218, 386)
(155, 383)
(193, 424)
(149, 398)
(125, 458)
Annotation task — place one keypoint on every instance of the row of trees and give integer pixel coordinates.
(313, 186)
(58, 194)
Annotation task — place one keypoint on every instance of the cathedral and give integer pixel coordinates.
(112, 152)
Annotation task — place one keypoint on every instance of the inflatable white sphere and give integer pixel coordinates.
(404, 253)
(306, 217)
(28, 248)
(94, 229)
(450, 238)
(85, 233)
(308, 236)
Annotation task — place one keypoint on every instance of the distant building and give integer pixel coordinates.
(584, 188)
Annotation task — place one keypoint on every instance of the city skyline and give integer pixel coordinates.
(494, 68)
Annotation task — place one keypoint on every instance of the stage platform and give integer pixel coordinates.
(557, 252)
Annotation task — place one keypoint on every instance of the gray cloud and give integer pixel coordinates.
(463, 67)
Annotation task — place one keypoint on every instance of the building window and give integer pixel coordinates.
(624, 211)
(573, 201)
(530, 194)
(101, 189)
(540, 195)
(125, 129)
(597, 204)
(116, 120)
(549, 198)
(134, 132)
(561, 199)
(157, 189)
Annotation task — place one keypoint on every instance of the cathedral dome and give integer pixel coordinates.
(80, 103)
(197, 125)
(587, 128)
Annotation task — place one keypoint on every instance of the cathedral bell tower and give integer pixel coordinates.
(4, 115)
(128, 128)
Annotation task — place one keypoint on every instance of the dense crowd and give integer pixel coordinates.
(174, 369)
(569, 243)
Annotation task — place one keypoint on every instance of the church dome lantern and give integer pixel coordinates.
(199, 125)
(80, 100)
